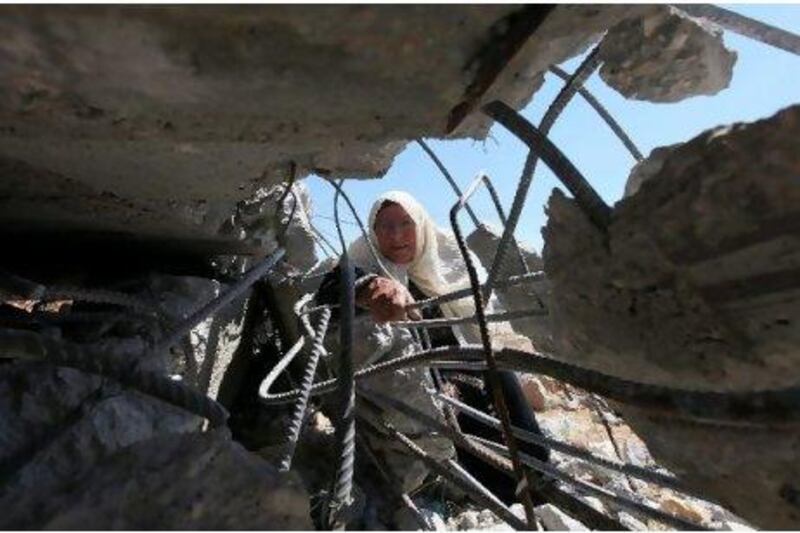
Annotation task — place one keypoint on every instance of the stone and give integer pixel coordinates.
(553, 519)
(665, 56)
(687, 294)
(213, 484)
(534, 392)
(684, 510)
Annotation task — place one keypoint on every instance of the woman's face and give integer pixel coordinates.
(397, 234)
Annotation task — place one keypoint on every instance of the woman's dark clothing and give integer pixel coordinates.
(472, 388)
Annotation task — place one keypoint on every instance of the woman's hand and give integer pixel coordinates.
(385, 298)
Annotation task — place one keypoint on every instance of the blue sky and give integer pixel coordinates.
(765, 79)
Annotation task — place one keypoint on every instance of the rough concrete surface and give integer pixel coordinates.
(158, 120)
(214, 483)
(665, 56)
(697, 288)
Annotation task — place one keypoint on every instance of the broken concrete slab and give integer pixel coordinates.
(214, 483)
(695, 286)
(158, 120)
(665, 56)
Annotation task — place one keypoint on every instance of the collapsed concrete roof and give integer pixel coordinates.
(157, 120)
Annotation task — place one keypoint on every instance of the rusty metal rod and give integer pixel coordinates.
(492, 317)
(604, 114)
(126, 370)
(492, 372)
(595, 490)
(746, 26)
(298, 416)
(776, 408)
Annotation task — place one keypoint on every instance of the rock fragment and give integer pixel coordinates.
(665, 56)
(695, 286)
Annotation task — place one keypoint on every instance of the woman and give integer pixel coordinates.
(410, 267)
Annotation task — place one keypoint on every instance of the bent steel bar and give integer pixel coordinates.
(492, 373)
(298, 415)
(212, 307)
(492, 191)
(773, 408)
(593, 518)
(588, 199)
(364, 232)
(754, 29)
(126, 370)
(595, 490)
(445, 322)
(651, 476)
(263, 390)
(346, 419)
(586, 68)
(604, 114)
(447, 176)
(459, 478)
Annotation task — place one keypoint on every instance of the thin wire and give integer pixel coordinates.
(364, 232)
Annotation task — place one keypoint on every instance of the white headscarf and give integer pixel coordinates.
(426, 270)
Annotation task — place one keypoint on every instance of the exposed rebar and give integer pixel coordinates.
(774, 408)
(298, 416)
(754, 29)
(595, 490)
(492, 372)
(638, 472)
(346, 420)
(225, 298)
(537, 149)
(604, 114)
(446, 322)
(471, 487)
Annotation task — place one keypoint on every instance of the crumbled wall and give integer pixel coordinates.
(696, 286)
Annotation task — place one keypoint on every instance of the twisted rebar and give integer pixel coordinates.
(587, 198)
(492, 373)
(126, 370)
(99, 296)
(464, 293)
(446, 322)
(346, 420)
(299, 414)
(774, 408)
(586, 68)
